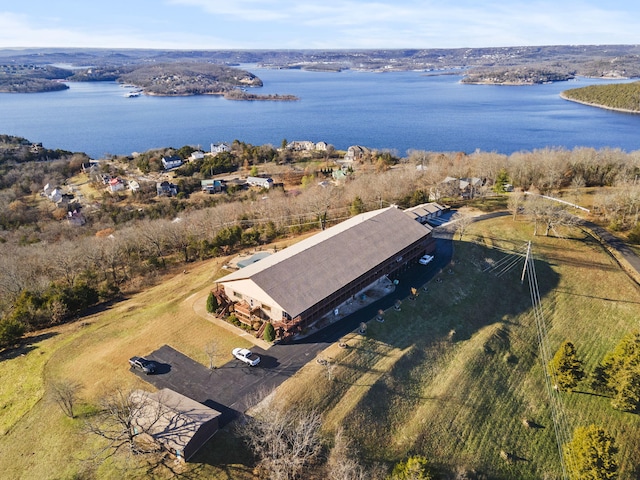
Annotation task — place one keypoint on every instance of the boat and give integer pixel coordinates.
(132, 94)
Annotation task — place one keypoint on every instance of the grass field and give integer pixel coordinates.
(456, 371)
(451, 375)
(37, 440)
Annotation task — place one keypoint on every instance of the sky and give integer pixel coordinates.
(326, 24)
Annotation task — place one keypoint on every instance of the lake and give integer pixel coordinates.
(398, 111)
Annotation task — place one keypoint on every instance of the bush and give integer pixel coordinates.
(11, 330)
(414, 468)
(269, 334)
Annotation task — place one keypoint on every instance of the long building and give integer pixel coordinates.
(298, 285)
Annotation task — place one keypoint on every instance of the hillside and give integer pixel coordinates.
(452, 375)
(624, 97)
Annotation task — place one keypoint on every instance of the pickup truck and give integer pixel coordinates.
(246, 356)
(141, 363)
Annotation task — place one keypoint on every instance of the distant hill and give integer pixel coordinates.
(619, 96)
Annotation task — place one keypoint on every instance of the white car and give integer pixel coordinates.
(247, 356)
(425, 259)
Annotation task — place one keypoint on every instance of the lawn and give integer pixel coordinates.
(452, 375)
(94, 351)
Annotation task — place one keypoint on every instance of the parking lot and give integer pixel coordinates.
(227, 389)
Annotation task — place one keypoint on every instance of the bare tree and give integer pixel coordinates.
(549, 214)
(124, 420)
(343, 464)
(286, 440)
(514, 203)
(211, 350)
(65, 394)
(461, 221)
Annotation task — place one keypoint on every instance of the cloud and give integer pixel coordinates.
(21, 31)
(258, 24)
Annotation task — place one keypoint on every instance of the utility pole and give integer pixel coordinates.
(526, 261)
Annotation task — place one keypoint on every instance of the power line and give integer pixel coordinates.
(501, 267)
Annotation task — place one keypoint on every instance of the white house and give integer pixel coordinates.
(197, 155)
(260, 182)
(171, 162)
(220, 147)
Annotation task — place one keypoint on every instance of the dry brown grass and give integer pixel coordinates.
(94, 351)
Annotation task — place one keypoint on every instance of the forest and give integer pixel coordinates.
(618, 96)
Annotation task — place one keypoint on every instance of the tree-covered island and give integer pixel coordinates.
(161, 79)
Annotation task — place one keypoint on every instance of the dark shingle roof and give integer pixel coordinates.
(309, 271)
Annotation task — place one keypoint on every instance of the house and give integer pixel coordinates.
(76, 218)
(56, 195)
(220, 147)
(166, 189)
(426, 212)
(178, 423)
(197, 155)
(461, 187)
(171, 162)
(260, 182)
(48, 188)
(470, 187)
(299, 285)
(301, 146)
(322, 146)
(134, 186)
(213, 186)
(116, 184)
(356, 152)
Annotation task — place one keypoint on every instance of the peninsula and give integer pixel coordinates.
(621, 97)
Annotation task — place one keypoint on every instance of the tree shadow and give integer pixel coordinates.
(26, 346)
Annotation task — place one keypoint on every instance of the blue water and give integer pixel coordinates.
(397, 111)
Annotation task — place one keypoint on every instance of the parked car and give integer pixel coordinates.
(141, 363)
(425, 259)
(247, 356)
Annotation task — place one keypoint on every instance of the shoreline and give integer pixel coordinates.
(597, 105)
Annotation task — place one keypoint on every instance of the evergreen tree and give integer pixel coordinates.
(212, 303)
(269, 334)
(501, 180)
(11, 330)
(619, 374)
(565, 368)
(591, 455)
(357, 206)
